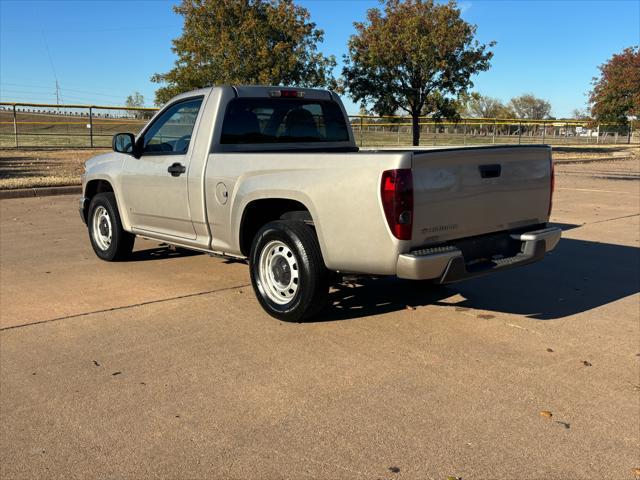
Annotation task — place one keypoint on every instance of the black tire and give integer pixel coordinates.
(312, 285)
(121, 241)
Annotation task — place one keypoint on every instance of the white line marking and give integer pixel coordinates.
(600, 191)
(522, 328)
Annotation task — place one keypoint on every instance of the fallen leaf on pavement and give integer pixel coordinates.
(587, 364)
(546, 414)
(550, 350)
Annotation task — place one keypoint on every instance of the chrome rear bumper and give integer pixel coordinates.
(447, 263)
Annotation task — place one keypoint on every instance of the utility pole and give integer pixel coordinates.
(58, 94)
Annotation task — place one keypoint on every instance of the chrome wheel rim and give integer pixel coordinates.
(101, 230)
(278, 272)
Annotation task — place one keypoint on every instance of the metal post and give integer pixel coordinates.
(361, 129)
(598, 135)
(519, 132)
(15, 126)
(399, 127)
(544, 130)
(434, 133)
(495, 125)
(91, 127)
(464, 133)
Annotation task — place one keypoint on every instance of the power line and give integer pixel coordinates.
(53, 68)
(14, 77)
(66, 90)
(74, 30)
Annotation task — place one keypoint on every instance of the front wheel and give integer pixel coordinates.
(287, 271)
(109, 240)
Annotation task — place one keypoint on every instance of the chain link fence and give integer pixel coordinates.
(30, 125)
(67, 126)
(389, 131)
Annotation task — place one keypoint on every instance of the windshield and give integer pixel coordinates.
(283, 120)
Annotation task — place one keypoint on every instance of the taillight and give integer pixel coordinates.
(287, 93)
(552, 185)
(396, 190)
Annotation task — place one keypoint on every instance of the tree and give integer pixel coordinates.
(480, 106)
(136, 100)
(417, 56)
(579, 114)
(616, 92)
(530, 107)
(264, 42)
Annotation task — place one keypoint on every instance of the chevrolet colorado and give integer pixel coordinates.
(273, 175)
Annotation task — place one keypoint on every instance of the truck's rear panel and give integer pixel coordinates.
(467, 192)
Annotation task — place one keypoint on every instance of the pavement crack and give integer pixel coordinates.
(123, 307)
(611, 219)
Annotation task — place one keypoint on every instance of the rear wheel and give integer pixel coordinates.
(109, 240)
(287, 271)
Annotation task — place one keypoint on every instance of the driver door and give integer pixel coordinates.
(155, 185)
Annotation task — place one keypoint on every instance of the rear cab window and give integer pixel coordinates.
(283, 121)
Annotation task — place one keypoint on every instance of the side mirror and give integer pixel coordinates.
(124, 143)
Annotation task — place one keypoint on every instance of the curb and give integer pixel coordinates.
(41, 192)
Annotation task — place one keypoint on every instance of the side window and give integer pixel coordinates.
(171, 132)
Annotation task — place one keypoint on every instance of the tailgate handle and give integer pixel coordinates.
(490, 171)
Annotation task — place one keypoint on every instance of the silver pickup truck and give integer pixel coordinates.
(273, 175)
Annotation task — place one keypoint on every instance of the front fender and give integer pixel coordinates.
(108, 167)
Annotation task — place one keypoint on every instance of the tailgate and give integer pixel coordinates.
(472, 191)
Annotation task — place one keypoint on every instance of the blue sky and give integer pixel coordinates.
(101, 51)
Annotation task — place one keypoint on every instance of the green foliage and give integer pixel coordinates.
(416, 56)
(616, 92)
(480, 106)
(263, 42)
(530, 107)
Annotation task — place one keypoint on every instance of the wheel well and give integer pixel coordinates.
(97, 186)
(93, 188)
(260, 212)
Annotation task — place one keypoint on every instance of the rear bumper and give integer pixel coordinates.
(447, 264)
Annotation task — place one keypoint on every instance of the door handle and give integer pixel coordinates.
(176, 169)
(490, 171)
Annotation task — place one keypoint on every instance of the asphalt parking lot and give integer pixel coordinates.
(165, 366)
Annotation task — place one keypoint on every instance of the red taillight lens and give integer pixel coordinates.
(287, 93)
(552, 186)
(396, 190)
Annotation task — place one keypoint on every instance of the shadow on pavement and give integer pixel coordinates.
(576, 277)
(160, 253)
